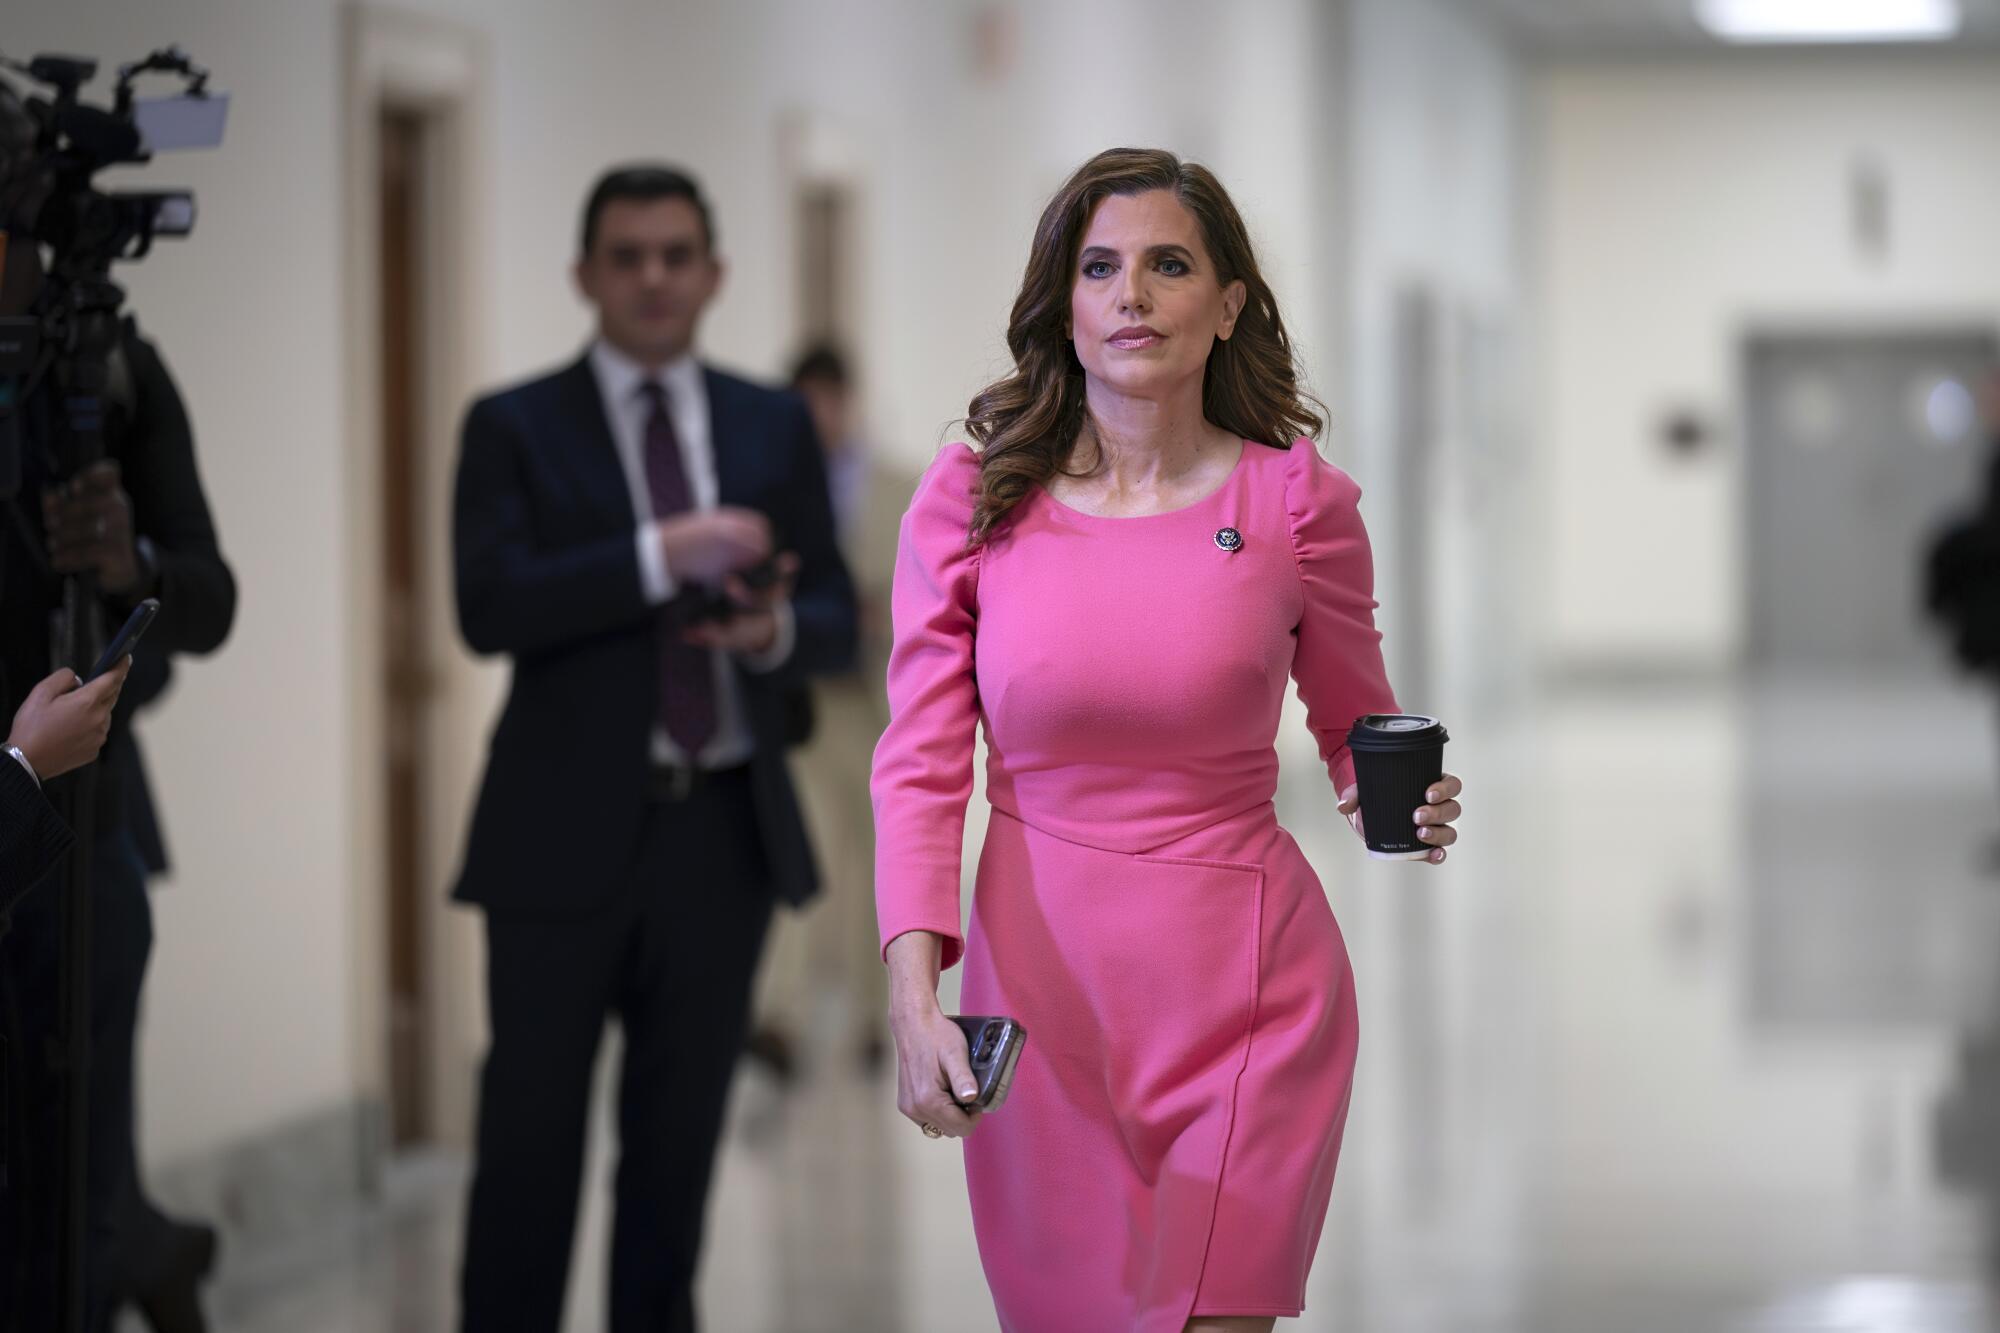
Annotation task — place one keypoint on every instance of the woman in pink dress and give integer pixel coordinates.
(1117, 584)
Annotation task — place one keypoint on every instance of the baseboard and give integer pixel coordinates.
(280, 1184)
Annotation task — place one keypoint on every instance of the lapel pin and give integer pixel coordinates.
(1229, 539)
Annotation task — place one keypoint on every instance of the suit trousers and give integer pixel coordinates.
(672, 959)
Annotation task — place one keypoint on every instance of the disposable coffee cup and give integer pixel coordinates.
(1397, 756)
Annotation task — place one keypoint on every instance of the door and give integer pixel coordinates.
(1857, 447)
(403, 675)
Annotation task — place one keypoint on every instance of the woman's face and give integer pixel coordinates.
(1145, 302)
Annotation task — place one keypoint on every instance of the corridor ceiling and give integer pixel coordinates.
(1642, 27)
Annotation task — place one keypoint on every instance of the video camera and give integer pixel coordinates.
(51, 148)
(75, 140)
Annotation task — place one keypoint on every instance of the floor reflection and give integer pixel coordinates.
(1700, 1031)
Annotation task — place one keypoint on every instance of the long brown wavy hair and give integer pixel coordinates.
(1028, 423)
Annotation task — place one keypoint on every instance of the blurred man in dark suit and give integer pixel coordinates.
(650, 540)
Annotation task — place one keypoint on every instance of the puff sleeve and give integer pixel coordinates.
(922, 774)
(1338, 661)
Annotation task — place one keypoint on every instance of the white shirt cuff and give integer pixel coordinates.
(14, 753)
(781, 646)
(656, 581)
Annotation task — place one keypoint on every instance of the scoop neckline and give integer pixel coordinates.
(1242, 454)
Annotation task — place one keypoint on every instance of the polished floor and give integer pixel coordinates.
(1698, 1032)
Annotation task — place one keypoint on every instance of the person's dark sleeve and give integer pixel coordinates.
(152, 673)
(514, 596)
(197, 592)
(32, 836)
(823, 607)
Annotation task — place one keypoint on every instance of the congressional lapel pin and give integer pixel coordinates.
(1229, 539)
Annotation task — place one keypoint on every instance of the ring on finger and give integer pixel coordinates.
(931, 1131)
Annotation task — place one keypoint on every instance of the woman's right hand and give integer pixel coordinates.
(62, 725)
(933, 1066)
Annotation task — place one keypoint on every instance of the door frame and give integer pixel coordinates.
(396, 58)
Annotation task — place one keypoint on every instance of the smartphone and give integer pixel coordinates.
(126, 639)
(762, 574)
(707, 605)
(994, 1045)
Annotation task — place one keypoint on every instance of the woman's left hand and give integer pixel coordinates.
(1433, 821)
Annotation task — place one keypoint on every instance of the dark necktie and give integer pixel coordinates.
(687, 682)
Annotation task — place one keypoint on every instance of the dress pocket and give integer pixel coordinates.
(1189, 989)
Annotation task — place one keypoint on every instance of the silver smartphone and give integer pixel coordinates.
(994, 1046)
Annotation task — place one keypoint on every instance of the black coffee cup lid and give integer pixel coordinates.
(1379, 732)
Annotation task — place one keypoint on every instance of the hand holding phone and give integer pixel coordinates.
(62, 725)
(994, 1046)
(126, 639)
(708, 606)
(704, 546)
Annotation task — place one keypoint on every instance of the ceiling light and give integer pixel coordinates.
(1829, 20)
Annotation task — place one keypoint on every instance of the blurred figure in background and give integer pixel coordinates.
(1964, 1145)
(1962, 573)
(614, 522)
(829, 953)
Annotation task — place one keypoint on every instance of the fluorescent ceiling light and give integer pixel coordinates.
(1829, 20)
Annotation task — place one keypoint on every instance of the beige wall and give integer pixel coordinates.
(1434, 116)
(246, 1020)
(1680, 204)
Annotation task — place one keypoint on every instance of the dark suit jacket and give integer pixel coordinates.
(546, 573)
(32, 836)
(147, 431)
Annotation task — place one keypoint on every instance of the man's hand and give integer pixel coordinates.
(706, 545)
(753, 627)
(89, 522)
(61, 725)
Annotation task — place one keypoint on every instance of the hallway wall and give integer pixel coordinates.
(1437, 164)
(1681, 203)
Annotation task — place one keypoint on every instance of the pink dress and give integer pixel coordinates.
(1168, 1148)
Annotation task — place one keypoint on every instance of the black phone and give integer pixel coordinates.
(126, 639)
(713, 604)
(994, 1044)
(762, 574)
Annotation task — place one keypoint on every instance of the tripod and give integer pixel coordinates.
(80, 378)
(71, 344)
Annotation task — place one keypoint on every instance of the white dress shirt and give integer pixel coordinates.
(621, 382)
